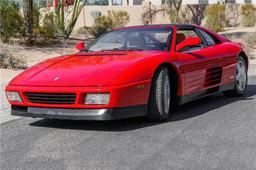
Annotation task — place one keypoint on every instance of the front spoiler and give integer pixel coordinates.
(80, 114)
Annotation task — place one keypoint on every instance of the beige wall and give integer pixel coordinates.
(135, 13)
(86, 17)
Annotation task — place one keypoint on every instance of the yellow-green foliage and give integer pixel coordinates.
(11, 21)
(215, 17)
(81, 30)
(119, 18)
(48, 28)
(36, 18)
(248, 15)
(105, 23)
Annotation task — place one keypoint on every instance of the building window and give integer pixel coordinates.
(137, 2)
(203, 2)
(117, 2)
(230, 1)
(248, 1)
(97, 2)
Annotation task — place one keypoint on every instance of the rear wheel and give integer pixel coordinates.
(241, 79)
(160, 96)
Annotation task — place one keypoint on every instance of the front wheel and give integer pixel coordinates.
(160, 96)
(241, 79)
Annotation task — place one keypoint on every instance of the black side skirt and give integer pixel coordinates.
(204, 93)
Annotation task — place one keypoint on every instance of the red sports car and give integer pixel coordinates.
(129, 72)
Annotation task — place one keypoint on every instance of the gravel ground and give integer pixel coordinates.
(213, 133)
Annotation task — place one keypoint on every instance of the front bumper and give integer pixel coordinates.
(132, 94)
(80, 114)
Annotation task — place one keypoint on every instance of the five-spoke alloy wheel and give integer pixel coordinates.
(160, 96)
(241, 79)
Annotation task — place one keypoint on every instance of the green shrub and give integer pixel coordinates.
(248, 15)
(215, 17)
(48, 29)
(36, 17)
(82, 31)
(104, 20)
(97, 30)
(11, 21)
(119, 18)
(105, 23)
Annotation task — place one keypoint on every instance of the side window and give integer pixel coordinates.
(209, 40)
(183, 34)
(187, 33)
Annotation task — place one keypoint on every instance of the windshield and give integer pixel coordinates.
(157, 39)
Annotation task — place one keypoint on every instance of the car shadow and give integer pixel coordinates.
(186, 111)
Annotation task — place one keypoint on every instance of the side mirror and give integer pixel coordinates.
(188, 42)
(80, 45)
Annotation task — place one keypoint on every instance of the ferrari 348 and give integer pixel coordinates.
(129, 72)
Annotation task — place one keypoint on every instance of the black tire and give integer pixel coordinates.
(157, 99)
(236, 92)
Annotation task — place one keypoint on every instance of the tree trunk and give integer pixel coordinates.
(198, 12)
(28, 5)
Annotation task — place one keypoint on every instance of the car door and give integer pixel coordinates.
(200, 66)
(228, 59)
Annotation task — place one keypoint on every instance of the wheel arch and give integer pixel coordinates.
(174, 76)
(245, 57)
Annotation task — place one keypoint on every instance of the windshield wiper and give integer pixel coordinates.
(133, 49)
(86, 50)
(107, 50)
(123, 49)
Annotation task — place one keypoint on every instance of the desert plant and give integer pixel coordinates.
(63, 21)
(104, 20)
(104, 23)
(198, 12)
(36, 28)
(173, 8)
(215, 17)
(81, 30)
(232, 14)
(36, 16)
(11, 57)
(97, 30)
(120, 18)
(185, 16)
(150, 12)
(48, 28)
(248, 15)
(10, 19)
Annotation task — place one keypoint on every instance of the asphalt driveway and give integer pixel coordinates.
(213, 133)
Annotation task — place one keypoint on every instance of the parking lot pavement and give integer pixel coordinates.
(252, 68)
(214, 133)
(5, 76)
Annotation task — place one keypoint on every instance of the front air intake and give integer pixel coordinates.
(51, 98)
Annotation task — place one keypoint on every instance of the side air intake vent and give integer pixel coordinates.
(213, 76)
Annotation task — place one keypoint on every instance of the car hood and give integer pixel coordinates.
(82, 69)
